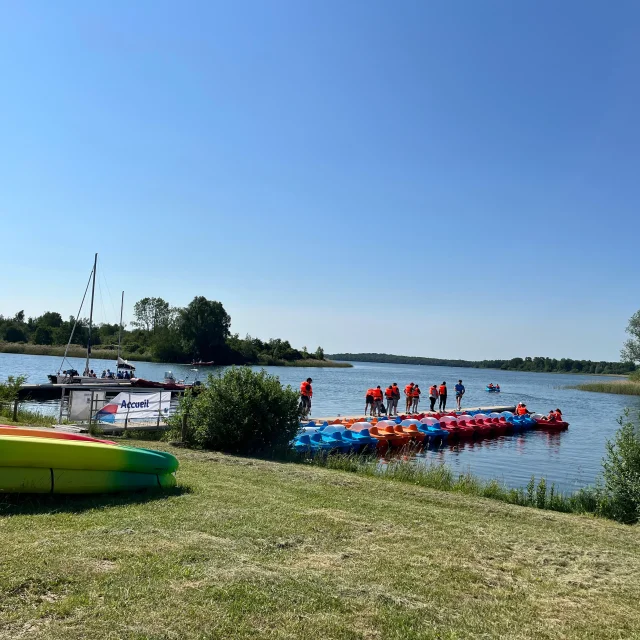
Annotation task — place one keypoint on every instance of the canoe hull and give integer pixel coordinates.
(49, 465)
(75, 481)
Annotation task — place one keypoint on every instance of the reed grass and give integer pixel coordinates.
(623, 387)
(439, 476)
(75, 351)
(26, 417)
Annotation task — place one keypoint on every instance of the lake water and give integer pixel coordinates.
(570, 459)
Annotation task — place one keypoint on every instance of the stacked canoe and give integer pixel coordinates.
(48, 461)
(424, 429)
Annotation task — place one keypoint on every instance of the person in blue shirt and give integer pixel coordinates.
(459, 393)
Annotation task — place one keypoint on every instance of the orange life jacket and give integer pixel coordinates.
(377, 394)
(388, 392)
(521, 411)
(370, 392)
(408, 390)
(416, 392)
(396, 391)
(305, 389)
(433, 390)
(443, 390)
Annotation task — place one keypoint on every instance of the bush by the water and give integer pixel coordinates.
(242, 411)
(622, 472)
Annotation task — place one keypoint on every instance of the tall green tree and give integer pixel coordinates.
(151, 314)
(631, 348)
(203, 327)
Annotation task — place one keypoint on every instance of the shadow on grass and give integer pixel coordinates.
(39, 504)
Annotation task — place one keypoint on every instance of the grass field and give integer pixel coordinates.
(253, 549)
(625, 387)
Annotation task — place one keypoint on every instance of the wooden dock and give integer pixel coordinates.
(49, 391)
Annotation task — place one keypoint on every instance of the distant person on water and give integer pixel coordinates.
(442, 395)
(433, 396)
(459, 393)
(306, 393)
(408, 392)
(396, 397)
(555, 415)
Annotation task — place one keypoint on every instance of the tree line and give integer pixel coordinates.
(199, 331)
(538, 364)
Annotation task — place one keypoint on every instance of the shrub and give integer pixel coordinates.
(10, 388)
(242, 411)
(622, 473)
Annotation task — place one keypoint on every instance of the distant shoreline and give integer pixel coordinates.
(77, 351)
(524, 365)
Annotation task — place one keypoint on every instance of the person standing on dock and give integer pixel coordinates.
(306, 393)
(368, 402)
(459, 393)
(442, 394)
(396, 397)
(388, 394)
(416, 399)
(433, 396)
(408, 392)
(377, 401)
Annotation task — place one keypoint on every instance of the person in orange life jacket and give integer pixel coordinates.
(388, 394)
(442, 395)
(306, 393)
(396, 397)
(368, 402)
(377, 400)
(490, 385)
(521, 409)
(555, 415)
(498, 387)
(408, 392)
(416, 399)
(433, 396)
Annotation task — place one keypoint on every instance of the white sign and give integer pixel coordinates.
(135, 406)
(80, 404)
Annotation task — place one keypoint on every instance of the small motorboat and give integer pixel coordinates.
(492, 389)
(202, 363)
(169, 383)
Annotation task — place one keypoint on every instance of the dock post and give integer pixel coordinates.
(183, 430)
(126, 418)
(15, 410)
(61, 403)
(90, 410)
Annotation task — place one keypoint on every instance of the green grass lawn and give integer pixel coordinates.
(253, 549)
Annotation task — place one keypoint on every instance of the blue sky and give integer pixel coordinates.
(448, 179)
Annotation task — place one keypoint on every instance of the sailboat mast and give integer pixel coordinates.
(120, 330)
(93, 291)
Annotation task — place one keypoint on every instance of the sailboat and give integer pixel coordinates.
(71, 375)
